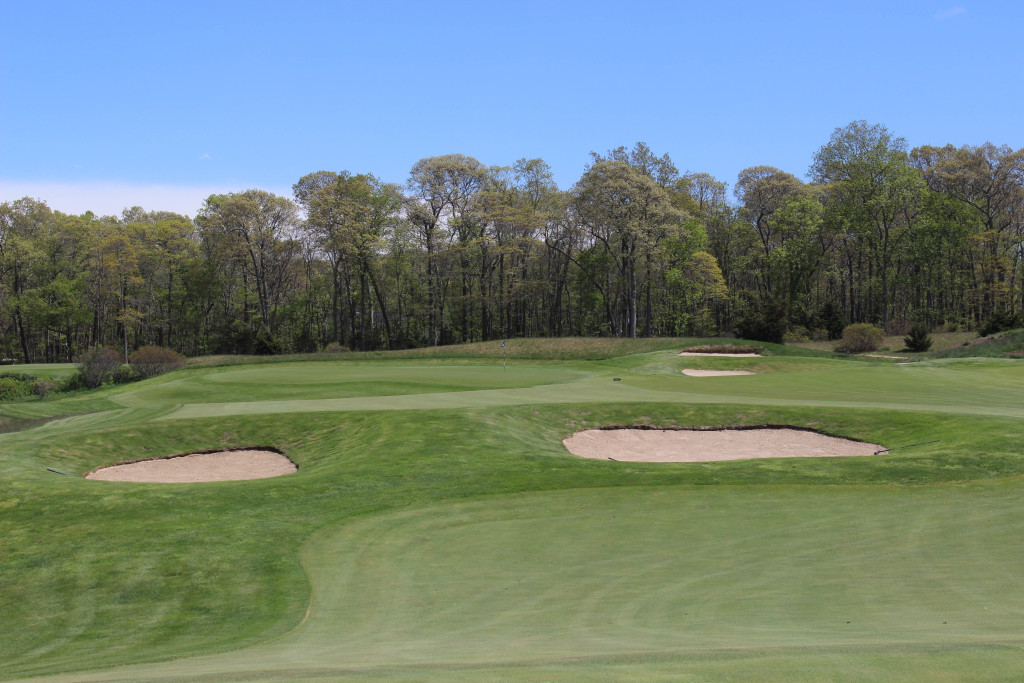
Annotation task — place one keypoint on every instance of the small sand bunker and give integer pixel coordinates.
(727, 355)
(690, 372)
(710, 445)
(194, 467)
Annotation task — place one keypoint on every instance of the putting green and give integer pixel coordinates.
(316, 381)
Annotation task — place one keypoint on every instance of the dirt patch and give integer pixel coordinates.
(637, 444)
(233, 465)
(690, 372)
(730, 355)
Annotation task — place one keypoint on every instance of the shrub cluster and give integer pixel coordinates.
(796, 334)
(14, 386)
(96, 367)
(150, 361)
(1000, 322)
(99, 366)
(861, 337)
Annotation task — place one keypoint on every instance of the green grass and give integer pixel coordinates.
(438, 530)
(50, 370)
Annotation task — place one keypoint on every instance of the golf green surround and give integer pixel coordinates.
(437, 529)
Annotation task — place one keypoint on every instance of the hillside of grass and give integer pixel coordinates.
(1009, 344)
(537, 349)
(941, 341)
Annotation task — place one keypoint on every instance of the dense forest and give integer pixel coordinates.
(465, 252)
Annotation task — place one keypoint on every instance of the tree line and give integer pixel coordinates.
(464, 252)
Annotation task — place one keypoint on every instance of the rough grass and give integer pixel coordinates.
(941, 341)
(448, 534)
(1008, 344)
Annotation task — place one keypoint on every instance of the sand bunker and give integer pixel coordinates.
(690, 372)
(727, 355)
(710, 445)
(193, 467)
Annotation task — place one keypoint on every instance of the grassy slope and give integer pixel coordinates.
(944, 345)
(996, 346)
(941, 341)
(467, 537)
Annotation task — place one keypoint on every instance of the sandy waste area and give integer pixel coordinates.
(194, 467)
(677, 445)
(690, 372)
(726, 355)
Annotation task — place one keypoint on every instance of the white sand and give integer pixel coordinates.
(671, 445)
(221, 466)
(690, 372)
(727, 355)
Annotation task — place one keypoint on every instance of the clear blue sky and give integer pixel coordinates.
(108, 104)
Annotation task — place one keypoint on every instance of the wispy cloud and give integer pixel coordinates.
(110, 198)
(204, 156)
(950, 13)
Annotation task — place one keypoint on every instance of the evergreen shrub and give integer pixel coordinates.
(767, 324)
(918, 340)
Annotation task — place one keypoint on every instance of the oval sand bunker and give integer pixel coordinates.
(703, 445)
(195, 467)
(690, 372)
(723, 355)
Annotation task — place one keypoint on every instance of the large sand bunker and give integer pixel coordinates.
(711, 444)
(726, 355)
(194, 467)
(690, 372)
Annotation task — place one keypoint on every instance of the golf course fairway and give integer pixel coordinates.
(437, 528)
